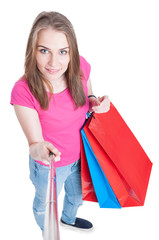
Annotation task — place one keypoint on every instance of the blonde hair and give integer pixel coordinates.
(73, 74)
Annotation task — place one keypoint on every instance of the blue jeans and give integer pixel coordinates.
(70, 176)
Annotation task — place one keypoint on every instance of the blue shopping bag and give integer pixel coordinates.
(105, 195)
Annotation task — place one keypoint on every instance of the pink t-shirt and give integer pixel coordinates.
(61, 123)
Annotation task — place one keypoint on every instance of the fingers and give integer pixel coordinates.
(54, 152)
(93, 102)
(41, 152)
(104, 98)
(104, 105)
(96, 102)
(55, 155)
(106, 102)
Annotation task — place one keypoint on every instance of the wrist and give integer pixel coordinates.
(92, 96)
(34, 150)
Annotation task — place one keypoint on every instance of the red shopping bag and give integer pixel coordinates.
(121, 157)
(87, 185)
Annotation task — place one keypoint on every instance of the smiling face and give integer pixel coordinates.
(52, 54)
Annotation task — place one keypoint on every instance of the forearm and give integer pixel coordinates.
(91, 96)
(30, 123)
(34, 151)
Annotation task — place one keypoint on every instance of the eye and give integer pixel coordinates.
(63, 52)
(44, 51)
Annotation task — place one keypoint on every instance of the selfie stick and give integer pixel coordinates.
(51, 230)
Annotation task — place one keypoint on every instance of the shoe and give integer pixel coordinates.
(80, 224)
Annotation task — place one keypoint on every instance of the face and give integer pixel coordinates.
(52, 54)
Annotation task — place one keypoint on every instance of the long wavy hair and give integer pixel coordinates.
(35, 79)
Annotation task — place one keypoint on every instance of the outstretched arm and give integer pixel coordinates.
(29, 121)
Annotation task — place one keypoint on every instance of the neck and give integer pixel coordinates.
(59, 85)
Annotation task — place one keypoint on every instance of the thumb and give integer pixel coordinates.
(53, 152)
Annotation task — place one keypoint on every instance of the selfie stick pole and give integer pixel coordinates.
(51, 230)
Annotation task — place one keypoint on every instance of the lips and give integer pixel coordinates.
(52, 71)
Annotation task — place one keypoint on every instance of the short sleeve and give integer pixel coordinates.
(85, 67)
(21, 95)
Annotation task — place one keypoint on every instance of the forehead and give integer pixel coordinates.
(52, 39)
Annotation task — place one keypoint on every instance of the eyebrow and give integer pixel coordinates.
(50, 49)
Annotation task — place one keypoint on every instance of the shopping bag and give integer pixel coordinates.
(105, 195)
(120, 155)
(87, 185)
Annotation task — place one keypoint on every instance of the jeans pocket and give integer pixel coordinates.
(34, 170)
(76, 166)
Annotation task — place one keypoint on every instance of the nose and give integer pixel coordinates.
(53, 60)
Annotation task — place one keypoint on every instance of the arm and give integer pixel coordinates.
(98, 105)
(93, 101)
(89, 85)
(30, 123)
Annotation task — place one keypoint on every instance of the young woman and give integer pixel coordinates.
(51, 101)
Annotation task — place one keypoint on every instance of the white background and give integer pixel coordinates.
(120, 39)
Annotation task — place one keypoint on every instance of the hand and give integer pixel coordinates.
(41, 152)
(100, 105)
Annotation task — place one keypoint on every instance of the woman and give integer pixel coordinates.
(51, 101)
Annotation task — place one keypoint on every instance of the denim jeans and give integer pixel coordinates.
(70, 176)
